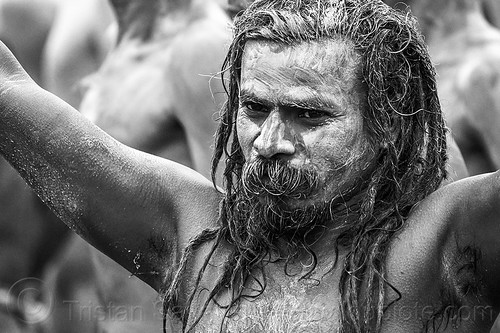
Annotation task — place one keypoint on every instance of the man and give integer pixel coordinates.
(331, 218)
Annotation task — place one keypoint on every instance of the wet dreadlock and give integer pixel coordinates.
(402, 114)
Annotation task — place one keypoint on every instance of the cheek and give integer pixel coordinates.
(247, 131)
(341, 156)
(330, 147)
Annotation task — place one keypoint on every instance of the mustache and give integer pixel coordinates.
(276, 178)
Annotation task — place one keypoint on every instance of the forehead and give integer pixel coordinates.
(324, 67)
(319, 54)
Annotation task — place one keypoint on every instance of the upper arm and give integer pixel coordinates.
(137, 208)
(143, 212)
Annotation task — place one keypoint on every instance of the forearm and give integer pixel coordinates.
(50, 144)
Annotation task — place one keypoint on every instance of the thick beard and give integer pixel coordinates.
(262, 216)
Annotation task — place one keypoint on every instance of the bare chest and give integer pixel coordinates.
(286, 305)
(430, 288)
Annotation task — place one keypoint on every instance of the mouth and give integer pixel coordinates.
(277, 180)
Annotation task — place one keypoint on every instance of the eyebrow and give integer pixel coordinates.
(312, 102)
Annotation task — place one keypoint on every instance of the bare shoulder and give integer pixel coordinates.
(467, 203)
(451, 240)
(476, 229)
(445, 258)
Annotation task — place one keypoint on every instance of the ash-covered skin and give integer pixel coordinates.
(303, 105)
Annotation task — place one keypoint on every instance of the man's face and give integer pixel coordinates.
(302, 105)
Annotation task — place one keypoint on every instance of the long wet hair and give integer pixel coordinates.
(402, 116)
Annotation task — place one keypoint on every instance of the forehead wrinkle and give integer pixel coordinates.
(296, 77)
(308, 91)
(307, 98)
(309, 76)
(306, 76)
(298, 97)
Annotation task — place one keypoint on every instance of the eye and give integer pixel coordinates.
(253, 106)
(312, 114)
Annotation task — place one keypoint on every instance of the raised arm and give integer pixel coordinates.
(137, 208)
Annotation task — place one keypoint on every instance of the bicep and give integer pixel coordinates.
(147, 214)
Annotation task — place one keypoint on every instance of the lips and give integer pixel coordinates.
(275, 178)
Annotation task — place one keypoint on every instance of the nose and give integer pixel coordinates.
(275, 137)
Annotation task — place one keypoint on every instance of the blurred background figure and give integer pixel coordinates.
(24, 27)
(81, 35)
(466, 50)
(491, 10)
(157, 90)
(235, 6)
